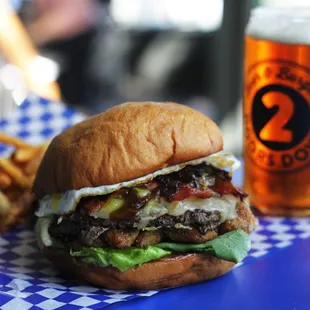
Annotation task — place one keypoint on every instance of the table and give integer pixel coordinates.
(278, 281)
(274, 276)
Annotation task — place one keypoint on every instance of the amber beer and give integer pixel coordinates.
(277, 111)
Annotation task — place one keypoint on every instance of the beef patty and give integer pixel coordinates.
(91, 231)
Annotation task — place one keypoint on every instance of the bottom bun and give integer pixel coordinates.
(172, 271)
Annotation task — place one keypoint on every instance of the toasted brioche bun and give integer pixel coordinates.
(173, 271)
(126, 142)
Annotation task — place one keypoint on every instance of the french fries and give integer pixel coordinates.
(17, 174)
(4, 205)
(18, 143)
(24, 155)
(14, 172)
(5, 181)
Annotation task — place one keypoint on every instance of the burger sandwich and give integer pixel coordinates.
(140, 197)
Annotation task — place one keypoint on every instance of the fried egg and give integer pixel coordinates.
(65, 203)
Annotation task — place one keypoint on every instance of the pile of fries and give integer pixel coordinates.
(17, 174)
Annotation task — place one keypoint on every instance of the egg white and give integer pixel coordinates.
(67, 202)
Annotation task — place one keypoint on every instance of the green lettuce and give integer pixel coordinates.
(121, 259)
(232, 246)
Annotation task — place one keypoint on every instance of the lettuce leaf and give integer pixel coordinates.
(121, 259)
(232, 246)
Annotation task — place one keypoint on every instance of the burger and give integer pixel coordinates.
(140, 197)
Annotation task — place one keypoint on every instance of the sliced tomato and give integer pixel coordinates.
(187, 191)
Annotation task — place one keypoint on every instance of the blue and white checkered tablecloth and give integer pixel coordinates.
(38, 120)
(27, 279)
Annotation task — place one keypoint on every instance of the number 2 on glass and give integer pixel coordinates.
(274, 129)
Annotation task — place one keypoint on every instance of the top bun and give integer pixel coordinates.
(126, 142)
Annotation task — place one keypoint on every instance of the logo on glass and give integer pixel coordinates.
(278, 119)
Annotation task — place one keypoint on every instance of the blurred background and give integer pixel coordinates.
(93, 54)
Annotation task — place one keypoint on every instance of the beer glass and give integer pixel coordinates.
(276, 110)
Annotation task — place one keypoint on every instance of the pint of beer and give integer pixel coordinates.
(277, 110)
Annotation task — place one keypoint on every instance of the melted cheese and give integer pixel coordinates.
(225, 205)
(66, 202)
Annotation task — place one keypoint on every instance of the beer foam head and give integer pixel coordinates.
(285, 25)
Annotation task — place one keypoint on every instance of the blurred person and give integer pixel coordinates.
(19, 61)
(68, 30)
(58, 20)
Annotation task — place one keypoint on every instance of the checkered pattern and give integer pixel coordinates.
(38, 120)
(28, 281)
(275, 233)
